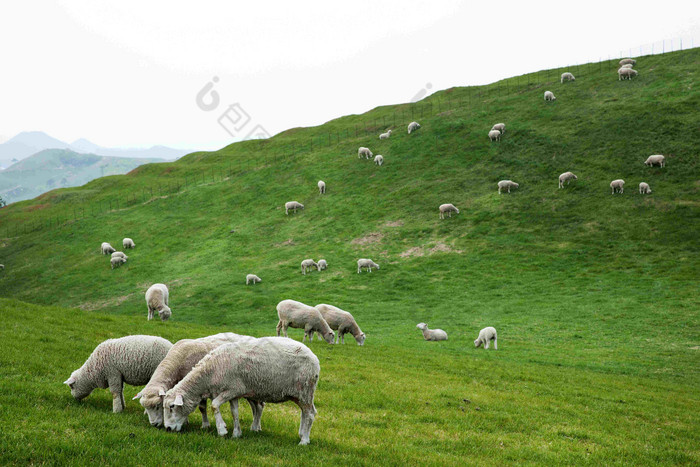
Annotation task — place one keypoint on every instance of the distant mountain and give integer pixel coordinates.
(58, 168)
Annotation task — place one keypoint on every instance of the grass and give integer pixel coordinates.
(594, 296)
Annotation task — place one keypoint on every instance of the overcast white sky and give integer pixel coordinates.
(127, 73)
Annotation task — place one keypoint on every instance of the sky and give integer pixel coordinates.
(200, 75)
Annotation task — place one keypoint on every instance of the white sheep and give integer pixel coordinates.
(503, 184)
(413, 126)
(627, 65)
(447, 209)
(117, 261)
(322, 264)
(107, 249)
(2, 267)
(300, 316)
(656, 159)
(366, 263)
(644, 189)
(617, 186)
(157, 299)
(292, 205)
(495, 135)
(252, 278)
(500, 127)
(308, 265)
(179, 361)
(364, 152)
(378, 159)
(341, 321)
(626, 73)
(131, 360)
(487, 335)
(628, 61)
(267, 370)
(566, 177)
(567, 76)
(119, 254)
(432, 334)
(385, 135)
(549, 96)
(128, 243)
(322, 187)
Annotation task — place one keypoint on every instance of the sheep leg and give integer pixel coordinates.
(308, 414)
(203, 411)
(220, 424)
(116, 387)
(257, 408)
(150, 314)
(342, 338)
(236, 422)
(486, 344)
(495, 343)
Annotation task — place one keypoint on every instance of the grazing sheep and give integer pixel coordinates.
(292, 205)
(322, 264)
(627, 65)
(500, 127)
(385, 135)
(503, 184)
(617, 186)
(128, 243)
(252, 278)
(364, 152)
(131, 360)
(119, 254)
(2, 267)
(656, 159)
(413, 126)
(495, 135)
(487, 335)
(432, 334)
(566, 177)
(341, 321)
(626, 73)
(366, 263)
(107, 249)
(322, 187)
(549, 96)
(378, 159)
(567, 76)
(298, 315)
(628, 61)
(266, 370)
(157, 297)
(644, 189)
(117, 261)
(308, 264)
(179, 361)
(447, 209)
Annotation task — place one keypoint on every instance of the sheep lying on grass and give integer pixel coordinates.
(378, 159)
(292, 205)
(495, 135)
(321, 187)
(549, 96)
(627, 65)
(107, 249)
(252, 278)
(566, 177)
(617, 186)
(656, 159)
(128, 243)
(432, 334)
(308, 265)
(117, 261)
(157, 297)
(322, 264)
(366, 263)
(626, 73)
(567, 77)
(413, 126)
(119, 254)
(644, 189)
(131, 360)
(503, 184)
(298, 315)
(385, 135)
(447, 209)
(341, 321)
(487, 335)
(364, 152)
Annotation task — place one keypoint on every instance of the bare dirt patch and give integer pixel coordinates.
(288, 242)
(418, 251)
(116, 301)
(398, 223)
(411, 252)
(374, 237)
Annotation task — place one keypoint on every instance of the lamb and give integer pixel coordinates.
(447, 209)
(341, 321)
(656, 159)
(322, 264)
(298, 315)
(322, 187)
(157, 297)
(626, 73)
(107, 249)
(385, 135)
(500, 127)
(413, 126)
(628, 61)
(487, 335)
(308, 265)
(131, 360)
(644, 189)
(289, 205)
(117, 261)
(128, 243)
(268, 369)
(503, 184)
(379, 159)
(617, 186)
(252, 278)
(432, 334)
(119, 254)
(549, 96)
(179, 361)
(566, 177)
(567, 76)
(364, 152)
(495, 135)
(366, 263)
(627, 65)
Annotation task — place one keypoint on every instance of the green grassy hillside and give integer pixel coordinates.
(594, 296)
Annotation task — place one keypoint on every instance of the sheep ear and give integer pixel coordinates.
(69, 381)
(178, 400)
(161, 392)
(137, 396)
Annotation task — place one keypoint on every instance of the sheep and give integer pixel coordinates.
(413, 126)
(656, 159)
(364, 152)
(292, 205)
(617, 185)
(379, 159)
(117, 261)
(500, 127)
(503, 184)
(268, 369)
(626, 73)
(341, 321)
(119, 254)
(432, 334)
(447, 209)
(567, 76)
(366, 263)
(628, 61)
(308, 265)
(157, 297)
(322, 187)
(495, 135)
(179, 361)
(298, 315)
(385, 135)
(487, 335)
(566, 177)
(549, 96)
(2, 267)
(107, 249)
(627, 65)
(128, 243)
(252, 278)
(322, 264)
(131, 360)
(644, 189)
